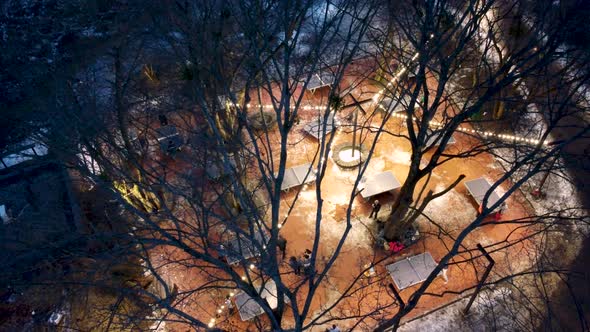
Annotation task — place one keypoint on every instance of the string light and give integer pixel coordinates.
(219, 311)
(270, 106)
(377, 97)
(432, 123)
(487, 134)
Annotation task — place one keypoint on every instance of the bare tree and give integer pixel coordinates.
(209, 70)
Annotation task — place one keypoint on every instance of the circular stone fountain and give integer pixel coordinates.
(347, 156)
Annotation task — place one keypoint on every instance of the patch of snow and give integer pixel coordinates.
(91, 165)
(176, 35)
(398, 156)
(349, 155)
(159, 326)
(559, 188)
(91, 32)
(376, 165)
(531, 124)
(559, 192)
(488, 312)
(342, 175)
(452, 210)
(332, 230)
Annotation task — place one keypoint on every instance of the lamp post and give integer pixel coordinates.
(356, 114)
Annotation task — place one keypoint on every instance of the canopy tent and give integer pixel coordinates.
(297, 176)
(316, 127)
(249, 308)
(321, 79)
(169, 138)
(412, 270)
(478, 188)
(240, 247)
(394, 104)
(377, 184)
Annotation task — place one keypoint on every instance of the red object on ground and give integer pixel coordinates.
(497, 216)
(395, 247)
(537, 193)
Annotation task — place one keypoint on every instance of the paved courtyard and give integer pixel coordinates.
(447, 216)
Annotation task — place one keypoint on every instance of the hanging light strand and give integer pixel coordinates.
(486, 134)
(221, 308)
(506, 137)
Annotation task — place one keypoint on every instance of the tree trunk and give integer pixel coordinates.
(397, 222)
(401, 217)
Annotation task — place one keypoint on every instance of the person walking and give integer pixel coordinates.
(376, 207)
(294, 263)
(282, 245)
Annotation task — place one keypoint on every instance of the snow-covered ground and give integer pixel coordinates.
(491, 310)
(332, 229)
(452, 221)
(398, 156)
(488, 313)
